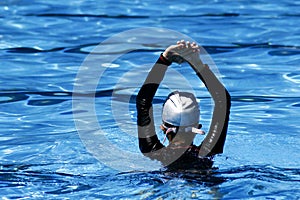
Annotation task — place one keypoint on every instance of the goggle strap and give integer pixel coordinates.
(194, 130)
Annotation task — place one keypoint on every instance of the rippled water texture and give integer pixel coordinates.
(43, 44)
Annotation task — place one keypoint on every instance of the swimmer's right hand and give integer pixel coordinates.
(183, 51)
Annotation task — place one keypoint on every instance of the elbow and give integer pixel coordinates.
(225, 101)
(138, 100)
(228, 99)
(145, 145)
(142, 148)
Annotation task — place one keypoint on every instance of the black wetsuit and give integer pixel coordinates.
(174, 156)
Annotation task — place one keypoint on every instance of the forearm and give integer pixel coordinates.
(146, 129)
(146, 94)
(215, 139)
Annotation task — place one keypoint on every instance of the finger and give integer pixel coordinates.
(196, 47)
(188, 44)
(182, 42)
(180, 45)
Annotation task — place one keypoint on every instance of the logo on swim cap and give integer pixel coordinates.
(181, 109)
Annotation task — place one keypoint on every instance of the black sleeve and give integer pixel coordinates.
(148, 140)
(215, 139)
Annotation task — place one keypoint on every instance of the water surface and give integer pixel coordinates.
(43, 44)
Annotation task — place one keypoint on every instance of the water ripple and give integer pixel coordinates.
(240, 182)
(284, 50)
(256, 47)
(293, 77)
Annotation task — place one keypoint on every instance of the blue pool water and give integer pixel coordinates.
(43, 44)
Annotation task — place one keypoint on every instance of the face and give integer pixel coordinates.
(169, 132)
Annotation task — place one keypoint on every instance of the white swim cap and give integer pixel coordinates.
(181, 109)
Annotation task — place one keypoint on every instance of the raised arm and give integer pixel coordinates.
(148, 140)
(215, 139)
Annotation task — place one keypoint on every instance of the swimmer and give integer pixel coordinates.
(181, 114)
